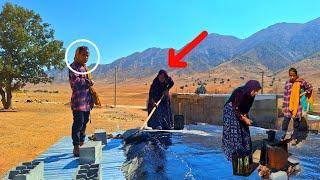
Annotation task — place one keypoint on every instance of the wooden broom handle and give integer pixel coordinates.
(151, 113)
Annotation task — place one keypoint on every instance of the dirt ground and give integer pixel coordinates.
(40, 123)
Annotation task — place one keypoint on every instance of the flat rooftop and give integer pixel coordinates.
(194, 153)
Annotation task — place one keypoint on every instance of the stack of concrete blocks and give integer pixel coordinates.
(88, 171)
(90, 156)
(27, 171)
(91, 153)
(101, 135)
(208, 108)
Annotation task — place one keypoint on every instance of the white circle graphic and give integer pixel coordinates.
(87, 41)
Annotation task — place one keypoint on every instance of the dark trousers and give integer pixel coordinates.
(80, 120)
(296, 125)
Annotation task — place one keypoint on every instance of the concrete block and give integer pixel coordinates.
(91, 152)
(101, 135)
(27, 171)
(88, 171)
(12, 174)
(21, 168)
(24, 176)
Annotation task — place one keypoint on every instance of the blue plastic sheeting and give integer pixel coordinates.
(196, 154)
(189, 154)
(309, 156)
(59, 162)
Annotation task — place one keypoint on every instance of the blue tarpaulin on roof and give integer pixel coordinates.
(59, 162)
(189, 154)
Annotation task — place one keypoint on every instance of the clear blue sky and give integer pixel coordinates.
(120, 28)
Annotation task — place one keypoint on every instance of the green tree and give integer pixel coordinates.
(27, 50)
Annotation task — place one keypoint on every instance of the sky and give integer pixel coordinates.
(120, 28)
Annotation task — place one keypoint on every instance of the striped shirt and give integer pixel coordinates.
(304, 86)
(81, 99)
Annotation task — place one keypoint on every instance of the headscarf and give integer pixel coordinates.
(164, 72)
(251, 85)
(157, 87)
(77, 55)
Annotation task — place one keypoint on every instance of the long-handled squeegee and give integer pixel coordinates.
(134, 134)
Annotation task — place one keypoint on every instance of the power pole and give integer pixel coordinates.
(115, 86)
(262, 75)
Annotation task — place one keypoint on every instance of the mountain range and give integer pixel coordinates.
(273, 49)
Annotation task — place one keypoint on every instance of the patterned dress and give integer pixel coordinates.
(236, 140)
(236, 135)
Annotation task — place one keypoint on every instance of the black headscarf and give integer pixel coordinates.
(157, 87)
(164, 72)
(241, 98)
(251, 85)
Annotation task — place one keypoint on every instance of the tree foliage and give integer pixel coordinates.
(27, 49)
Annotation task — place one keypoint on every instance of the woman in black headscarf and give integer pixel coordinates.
(162, 117)
(236, 140)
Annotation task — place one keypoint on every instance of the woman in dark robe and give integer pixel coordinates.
(236, 140)
(162, 117)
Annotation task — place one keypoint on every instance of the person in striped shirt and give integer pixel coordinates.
(81, 99)
(292, 109)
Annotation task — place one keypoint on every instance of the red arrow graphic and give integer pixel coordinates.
(174, 61)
